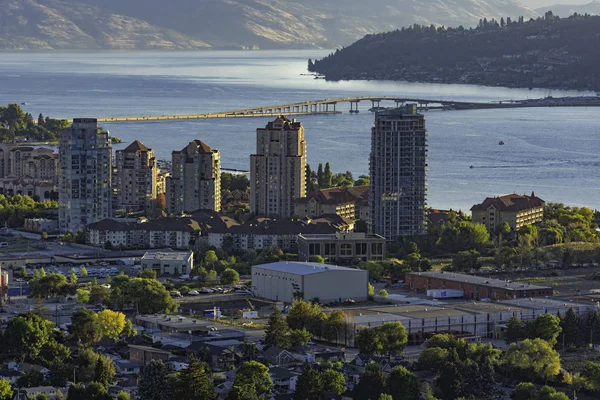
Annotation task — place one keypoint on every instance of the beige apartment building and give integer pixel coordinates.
(350, 203)
(28, 171)
(195, 181)
(136, 178)
(517, 210)
(278, 169)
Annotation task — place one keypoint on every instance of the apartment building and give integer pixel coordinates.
(278, 169)
(85, 165)
(136, 178)
(398, 165)
(195, 181)
(517, 210)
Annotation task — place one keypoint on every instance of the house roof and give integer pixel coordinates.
(148, 349)
(135, 147)
(336, 195)
(301, 268)
(288, 125)
(281, 373)
(510, 202)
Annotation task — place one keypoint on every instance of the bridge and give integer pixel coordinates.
(328, 107)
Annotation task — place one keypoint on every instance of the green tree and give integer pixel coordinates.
(26, 334)
(310, 385)
(210, 258)
(123, 396)
(73, 277)
(432, 358)
(94, 367)
(251, 378)
(77, 392)
(327, 176)
(334, 381)
(42, 396)
(54, 352)
(515, 330)
(85, 328)
(277, 331)
(83, 296)
(6, 392)
(193, 382)
(372, 383)
(367, 341)
(112, 323)
(96, 391)
(307, 315)
(591, 376)
(154, 383)
(570, 328)
(466, 260)
(317, 259)
(335, 326)
(370, 290)
(383, 293)
(299, 337)
(524, 391)
(51, 285)
(403, 384)
(393, 336)
(375, 270)
(546, 327)
(230, 277)
(30, 379)
(23, 272)
(384, 396)
(534, 356)
(83, 271)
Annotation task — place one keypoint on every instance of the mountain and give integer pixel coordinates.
(548, 52)
(592, 8)
(193, 24)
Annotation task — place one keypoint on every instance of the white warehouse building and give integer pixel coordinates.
(285, 280)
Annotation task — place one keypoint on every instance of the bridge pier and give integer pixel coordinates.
(352, 110)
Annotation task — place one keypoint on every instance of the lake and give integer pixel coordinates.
(552, 151)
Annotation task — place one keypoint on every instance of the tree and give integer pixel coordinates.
(94, 367)
(307, 315)
(384, 396)
(515, 330)
(368, 342)
(372, 383)
(252, 377)
(30, 379)
(403, 384)
(570, 328)
(383, 293)
(123, 396)
(154, 383)
(23, 272)
(334, 381)
(54, 352)
(327, 176)
(524, 391)
(210, 258)
(375, 270)
(83, 271)
(334, 326)
(432, 358)
(42, 396)
(393, 336)
(370, 290)
(590, 376)
(193, 382)
(299, 337)
(77, 392)
(6, 392)
(112, 323)
(320, 176)
(96, 391)
(317, 259)
(230, 277)
(310, 385)
(26, 334)
(546, 327)
(85, 328)
(276, 333)
(83, 296)
(466, 260)
(73, 277)
(534, 356)
(50, 285)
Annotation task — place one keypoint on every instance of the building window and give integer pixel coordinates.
(346, 249)
(329, 249)
(314, 249)
(361, 249)
(376, 248)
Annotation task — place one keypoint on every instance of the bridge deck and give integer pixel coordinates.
(328, 107)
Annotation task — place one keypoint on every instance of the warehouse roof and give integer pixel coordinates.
(479, 280)
(302, 268)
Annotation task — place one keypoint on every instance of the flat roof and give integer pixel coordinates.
(421, 311)
(487, 307)
(302, 268)
(168, 256)
(540, 303)
(479, 280)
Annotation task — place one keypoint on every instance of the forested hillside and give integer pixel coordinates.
(547, 52)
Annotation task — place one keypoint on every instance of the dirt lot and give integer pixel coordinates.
(565, 282)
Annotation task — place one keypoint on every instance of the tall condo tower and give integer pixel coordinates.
(136, 177)
(278, 169)
(398, 165)
(85, 158)
(195, 182)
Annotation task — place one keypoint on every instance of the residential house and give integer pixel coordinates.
(279, 357)
(144, 354)
(219, 357)
(284, 380)
(50, 391)
(125, 367)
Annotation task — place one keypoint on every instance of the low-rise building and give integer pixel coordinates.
(178, 233)
(474, 287)
(284, 281)
(345, 202)
(39, 225)
(517, 210)
(341, 246)
(144, 354)
(169, 263)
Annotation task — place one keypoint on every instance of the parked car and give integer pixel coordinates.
(193, 293)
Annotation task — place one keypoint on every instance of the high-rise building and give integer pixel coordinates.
(84, 179)
(278, 169)
(136, 177)
(398, 167)
(195, 181)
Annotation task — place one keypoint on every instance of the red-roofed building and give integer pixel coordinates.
(517, 210)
